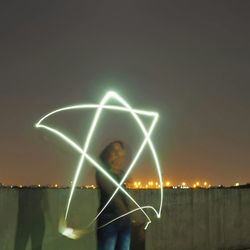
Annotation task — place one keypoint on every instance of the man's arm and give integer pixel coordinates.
(109, 189)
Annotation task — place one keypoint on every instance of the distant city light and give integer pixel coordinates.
(134, 185)
(155, 185)
(167, 183)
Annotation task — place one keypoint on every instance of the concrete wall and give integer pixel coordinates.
(202, 219)
(84, 206)
(191, 219)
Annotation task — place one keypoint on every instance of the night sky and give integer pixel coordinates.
(187, 60)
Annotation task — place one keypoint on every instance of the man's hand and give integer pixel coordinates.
(70, 232)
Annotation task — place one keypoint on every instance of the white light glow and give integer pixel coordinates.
(125, 107)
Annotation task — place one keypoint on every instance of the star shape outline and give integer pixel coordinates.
(147, 140)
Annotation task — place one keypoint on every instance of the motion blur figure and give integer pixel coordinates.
(116, 235)
(32, 205)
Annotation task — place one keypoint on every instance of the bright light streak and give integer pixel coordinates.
(67, 232)
(84, 155)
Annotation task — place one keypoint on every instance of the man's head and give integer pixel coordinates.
(114, 156)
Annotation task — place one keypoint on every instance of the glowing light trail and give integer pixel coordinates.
(83, 151)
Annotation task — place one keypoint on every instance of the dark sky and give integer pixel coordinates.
(187, 60)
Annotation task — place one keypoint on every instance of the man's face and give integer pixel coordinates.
(117, 158)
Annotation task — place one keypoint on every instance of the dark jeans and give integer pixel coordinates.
(114, 236)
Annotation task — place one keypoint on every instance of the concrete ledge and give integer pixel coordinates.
(208, 219)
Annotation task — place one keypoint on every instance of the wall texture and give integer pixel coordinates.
(204, 219)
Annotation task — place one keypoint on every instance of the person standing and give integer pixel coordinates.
(117, 234)
(32, 206)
